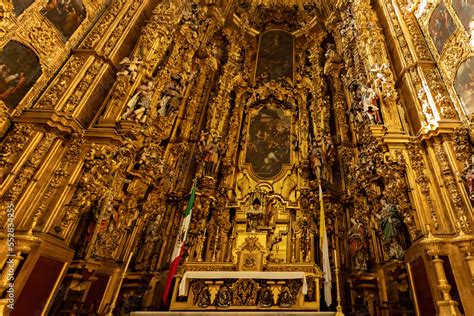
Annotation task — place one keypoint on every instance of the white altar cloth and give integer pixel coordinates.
(184, 285)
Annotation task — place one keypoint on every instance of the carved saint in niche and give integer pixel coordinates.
(151, 238)
(316, 159)
(204, 298)
(130, 68)
(265, 295)
(358, 245)
(285, 299)
(172, 96)
(369, 105)
(211, 150)
(391, 224)
(255, 216)
(138, 106)
(223, 297)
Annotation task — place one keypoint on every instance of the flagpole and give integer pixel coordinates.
(323, 244)
(117, 292)
(338, 299)
(179, 244)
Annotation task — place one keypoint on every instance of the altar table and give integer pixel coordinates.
(184, 285)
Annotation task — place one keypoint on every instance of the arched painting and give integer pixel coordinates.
(465, 11)
(464, 85)
(19, 70)
(268, 148)
(66, 15)
(441, 26)
(20, 5)
(275, 55)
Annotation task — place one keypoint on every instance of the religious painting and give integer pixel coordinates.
(66, 15)
(441, 26)
(464, 85)
(465, 11)
(275, 56)
(268, 148)
(19, 70)
(20, 5)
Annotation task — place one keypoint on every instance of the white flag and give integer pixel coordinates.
(323, 245)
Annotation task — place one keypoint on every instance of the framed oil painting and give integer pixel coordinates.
(66, 15)
(19, 70)
(464, 85)
(465, 11)
(268, 148)
(20, 5)
(441, 26)
(275, 55)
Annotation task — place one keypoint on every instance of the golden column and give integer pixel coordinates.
(465, 243)
(433, 247)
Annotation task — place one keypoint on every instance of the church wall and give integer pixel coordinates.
(438, 69)
(46, 40)
(41, 161)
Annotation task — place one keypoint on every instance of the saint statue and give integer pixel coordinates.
(391, 223)
(150, 240)
(138, 106)
(358, 245)
(255, 216)
(369, 105)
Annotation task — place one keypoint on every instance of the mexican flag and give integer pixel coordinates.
(323, 244)
(179, 245)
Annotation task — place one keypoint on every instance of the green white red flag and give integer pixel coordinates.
(179, 245)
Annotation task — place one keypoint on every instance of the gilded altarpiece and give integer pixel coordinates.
(279, 110)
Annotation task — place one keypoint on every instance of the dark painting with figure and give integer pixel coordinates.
(465, 11)
(268, 148)
(20, 5)
(441, 26)
(66, 15)
(464, 85)
(19, 70)
(275, 55)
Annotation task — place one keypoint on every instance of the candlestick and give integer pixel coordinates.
(339, 307)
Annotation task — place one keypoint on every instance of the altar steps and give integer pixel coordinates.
(227, 313)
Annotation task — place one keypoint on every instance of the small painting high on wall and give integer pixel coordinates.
(465, 11)
(441, 26)
(20, 5)
(19, 70)
(66, 15)
(275, 55)
(464, 85)
(268, 148)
